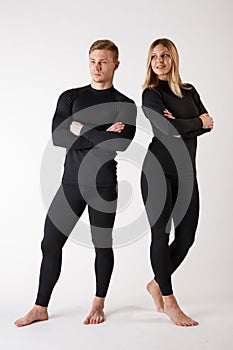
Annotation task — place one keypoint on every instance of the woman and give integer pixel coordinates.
(177, 116)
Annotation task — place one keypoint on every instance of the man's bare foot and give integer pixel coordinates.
(38, 313)
(155, 292)
(97, 312)
(175, 313)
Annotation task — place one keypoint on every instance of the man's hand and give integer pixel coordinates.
(208, 122)
(75, 128)
(116, 127)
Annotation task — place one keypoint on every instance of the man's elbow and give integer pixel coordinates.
(124, 144)
(55, 140)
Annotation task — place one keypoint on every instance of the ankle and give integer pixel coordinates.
(169, 300)
(40, 308)
(99, 300)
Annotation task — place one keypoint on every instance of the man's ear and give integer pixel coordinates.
(117, 64)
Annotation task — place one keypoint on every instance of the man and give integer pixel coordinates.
(93, 123)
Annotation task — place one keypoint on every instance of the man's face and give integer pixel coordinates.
(102, 66)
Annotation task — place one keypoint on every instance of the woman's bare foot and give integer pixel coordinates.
(38, 313)
(97, 312)
(155, 292)
(175, 313)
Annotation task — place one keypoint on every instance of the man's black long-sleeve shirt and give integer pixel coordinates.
(187, 124)
(90, 156)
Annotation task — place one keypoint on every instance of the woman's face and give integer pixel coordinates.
(161, 62)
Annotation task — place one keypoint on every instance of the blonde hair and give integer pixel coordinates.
(105, 44)
(174, 79)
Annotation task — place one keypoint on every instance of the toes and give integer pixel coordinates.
(192, 322)
(96, 320)
(91, 320)
(99, 319)
(94, 317)
(187, 323)
(20, 322)
(85, 322)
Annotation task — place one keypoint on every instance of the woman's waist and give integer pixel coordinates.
(170, 159)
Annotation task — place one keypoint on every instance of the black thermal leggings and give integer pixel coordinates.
(64, 212)
(166, 258)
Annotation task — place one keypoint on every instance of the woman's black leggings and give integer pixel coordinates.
(166, 258)
(63, 214)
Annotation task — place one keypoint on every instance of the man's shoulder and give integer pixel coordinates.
(73, 92)
(120, 97)
(80, 90)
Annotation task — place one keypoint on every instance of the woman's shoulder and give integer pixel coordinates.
(189, 89)
(151, 91)
(187, 86)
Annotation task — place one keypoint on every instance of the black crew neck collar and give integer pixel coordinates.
(163, 82)
(101, 91)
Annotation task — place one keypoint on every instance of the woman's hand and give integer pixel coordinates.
(208, 122)
(116, 127)
(168, 114)
(75, 128)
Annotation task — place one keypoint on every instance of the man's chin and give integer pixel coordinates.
(100, 80)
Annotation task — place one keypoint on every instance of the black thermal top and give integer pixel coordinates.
(187, 125)
(90, 156)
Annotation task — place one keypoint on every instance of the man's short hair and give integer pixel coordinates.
(105, 44)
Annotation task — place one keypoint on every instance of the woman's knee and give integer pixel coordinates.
(185, 241)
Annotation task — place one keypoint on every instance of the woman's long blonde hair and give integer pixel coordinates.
(174, 79)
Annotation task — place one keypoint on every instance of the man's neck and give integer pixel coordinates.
(101, 86)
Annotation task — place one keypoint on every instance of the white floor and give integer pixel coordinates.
(131, 320)
(129, 325)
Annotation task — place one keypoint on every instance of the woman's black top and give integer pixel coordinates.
(186, 126)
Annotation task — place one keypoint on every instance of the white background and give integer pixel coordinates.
(44, 51)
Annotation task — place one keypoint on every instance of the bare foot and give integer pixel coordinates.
(177, 316)
(38, 313)
(155, 292)
(97, 312)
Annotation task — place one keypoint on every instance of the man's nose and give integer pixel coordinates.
(97, 66)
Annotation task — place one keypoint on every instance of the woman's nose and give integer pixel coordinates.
(160, 58)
